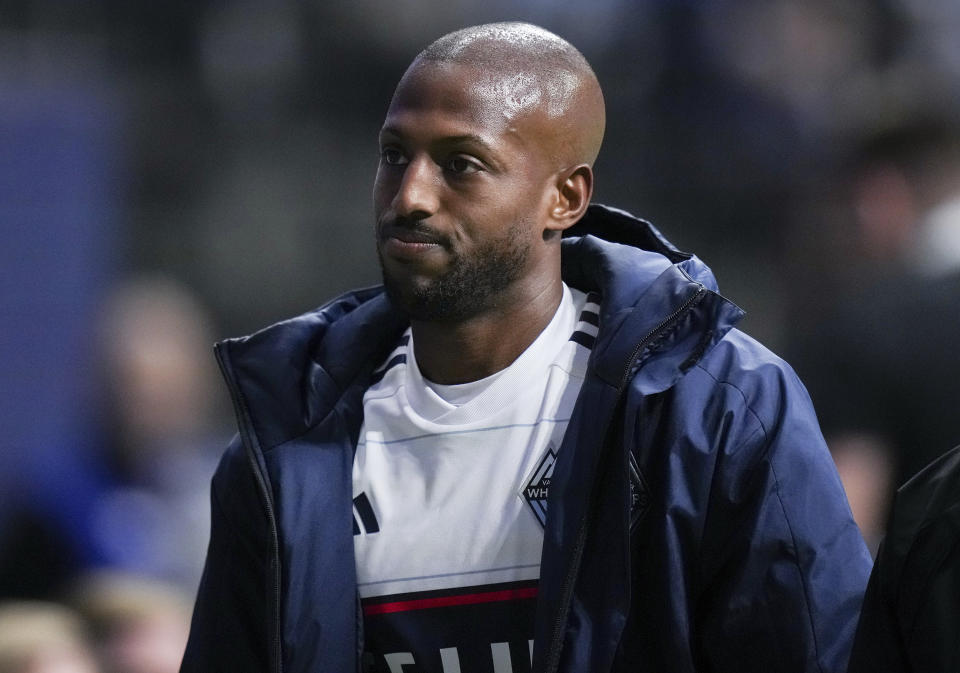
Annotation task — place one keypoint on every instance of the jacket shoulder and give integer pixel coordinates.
(768, 385)
(930, 499)
(285, 377)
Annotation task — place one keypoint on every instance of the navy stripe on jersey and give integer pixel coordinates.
(395, 359)
(585, 333)
(584, 339)
(362, 509)
(590, 317)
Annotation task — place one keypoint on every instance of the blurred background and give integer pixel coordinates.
(173, 173)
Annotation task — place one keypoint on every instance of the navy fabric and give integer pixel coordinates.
(729, 547)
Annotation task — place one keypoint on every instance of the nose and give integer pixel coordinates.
(417, 195)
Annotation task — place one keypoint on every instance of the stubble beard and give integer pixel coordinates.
(471, 286)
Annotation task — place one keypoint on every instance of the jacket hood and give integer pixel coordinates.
(304, 364)
(649, 289)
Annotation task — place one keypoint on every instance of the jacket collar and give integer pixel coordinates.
(659, 306)
(293, 371)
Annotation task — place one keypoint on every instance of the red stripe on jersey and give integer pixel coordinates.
(446, 601)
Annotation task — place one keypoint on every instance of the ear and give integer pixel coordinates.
(574, 189)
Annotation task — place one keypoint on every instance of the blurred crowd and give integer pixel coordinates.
(174, 173)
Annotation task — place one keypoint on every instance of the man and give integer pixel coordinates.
(523, 453)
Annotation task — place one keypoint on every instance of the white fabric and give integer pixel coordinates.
(445, 478)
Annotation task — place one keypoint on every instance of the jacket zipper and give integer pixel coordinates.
(566, 590)
(246, 437)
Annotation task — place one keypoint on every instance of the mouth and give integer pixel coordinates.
(408, 242)
(410, 236)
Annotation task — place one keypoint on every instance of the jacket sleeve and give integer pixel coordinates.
(783, 566)
(230, 626)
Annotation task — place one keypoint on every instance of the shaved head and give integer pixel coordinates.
(527, 71)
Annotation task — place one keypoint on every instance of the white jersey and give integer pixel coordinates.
(450, 491)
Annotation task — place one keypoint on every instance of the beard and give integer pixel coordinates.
(470, 286)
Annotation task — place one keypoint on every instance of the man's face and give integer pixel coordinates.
(461, 191)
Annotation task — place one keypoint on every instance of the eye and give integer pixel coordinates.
(392, 156)
(461, 165)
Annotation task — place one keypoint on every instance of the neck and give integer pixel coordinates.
(449, 353)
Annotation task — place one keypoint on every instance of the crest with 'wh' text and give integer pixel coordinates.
(537, 488)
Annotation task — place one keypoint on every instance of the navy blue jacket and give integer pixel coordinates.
(696, 521)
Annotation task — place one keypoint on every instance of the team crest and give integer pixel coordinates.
(536, 490)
